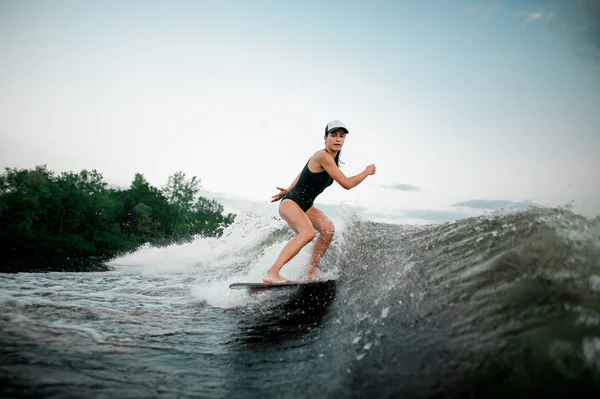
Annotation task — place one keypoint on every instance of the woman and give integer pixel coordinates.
(297, 209)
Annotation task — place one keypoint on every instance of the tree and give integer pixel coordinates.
(181, 192)
(47, 217)
(209, 220)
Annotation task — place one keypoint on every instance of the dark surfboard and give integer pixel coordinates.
(263, 286)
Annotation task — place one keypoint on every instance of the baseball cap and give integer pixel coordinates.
(335, 125)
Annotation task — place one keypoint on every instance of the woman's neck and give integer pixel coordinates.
(332, 153)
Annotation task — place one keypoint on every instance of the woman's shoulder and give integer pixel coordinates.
(318, 155)
(316, 161)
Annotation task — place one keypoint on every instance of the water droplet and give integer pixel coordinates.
(384, 312)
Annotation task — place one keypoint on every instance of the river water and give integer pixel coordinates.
(498, 306)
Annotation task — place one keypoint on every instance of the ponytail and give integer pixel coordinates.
(337, 158)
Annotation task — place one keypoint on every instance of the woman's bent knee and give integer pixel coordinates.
(308, 235)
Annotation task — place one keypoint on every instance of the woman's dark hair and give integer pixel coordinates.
(337, 158)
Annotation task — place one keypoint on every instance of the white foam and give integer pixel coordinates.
(82, 329)
(217, 293)
(384, 312)
(243, 253)
(591, 351)
(203, 252)
(595, 283)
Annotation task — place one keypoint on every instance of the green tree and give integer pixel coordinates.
(74, 216)
(209, 219)
(180, 193)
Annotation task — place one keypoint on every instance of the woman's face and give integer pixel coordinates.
(334, 141)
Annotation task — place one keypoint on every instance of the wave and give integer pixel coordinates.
(494, 306)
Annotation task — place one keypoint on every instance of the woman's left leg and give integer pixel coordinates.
(326, 229)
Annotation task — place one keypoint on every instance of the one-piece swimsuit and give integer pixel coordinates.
(308, 187)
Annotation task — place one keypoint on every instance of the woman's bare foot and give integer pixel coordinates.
(274, 278)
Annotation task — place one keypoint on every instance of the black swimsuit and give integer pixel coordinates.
(308, 187)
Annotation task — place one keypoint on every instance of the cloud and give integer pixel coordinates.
(493, 204)
(534, 16)
(402, 187)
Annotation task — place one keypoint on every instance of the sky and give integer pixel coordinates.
(463, 106)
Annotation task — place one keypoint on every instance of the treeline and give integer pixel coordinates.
(74, 221)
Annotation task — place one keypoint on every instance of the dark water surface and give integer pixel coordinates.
(491, 307)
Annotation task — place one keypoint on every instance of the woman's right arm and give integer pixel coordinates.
(294, 182)
(283, 191)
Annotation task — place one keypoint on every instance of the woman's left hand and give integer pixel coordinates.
(279, 195)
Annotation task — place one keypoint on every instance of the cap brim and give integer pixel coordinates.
(338, 128)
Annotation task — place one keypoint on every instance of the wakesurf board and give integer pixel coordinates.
(268, 286)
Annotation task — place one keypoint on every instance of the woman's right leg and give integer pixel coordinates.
(305, 232)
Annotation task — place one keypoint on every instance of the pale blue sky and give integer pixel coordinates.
(461, 100)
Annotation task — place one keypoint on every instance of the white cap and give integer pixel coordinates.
(335, 125)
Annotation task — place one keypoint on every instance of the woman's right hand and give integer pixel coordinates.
(279, 195)
(371, 169)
